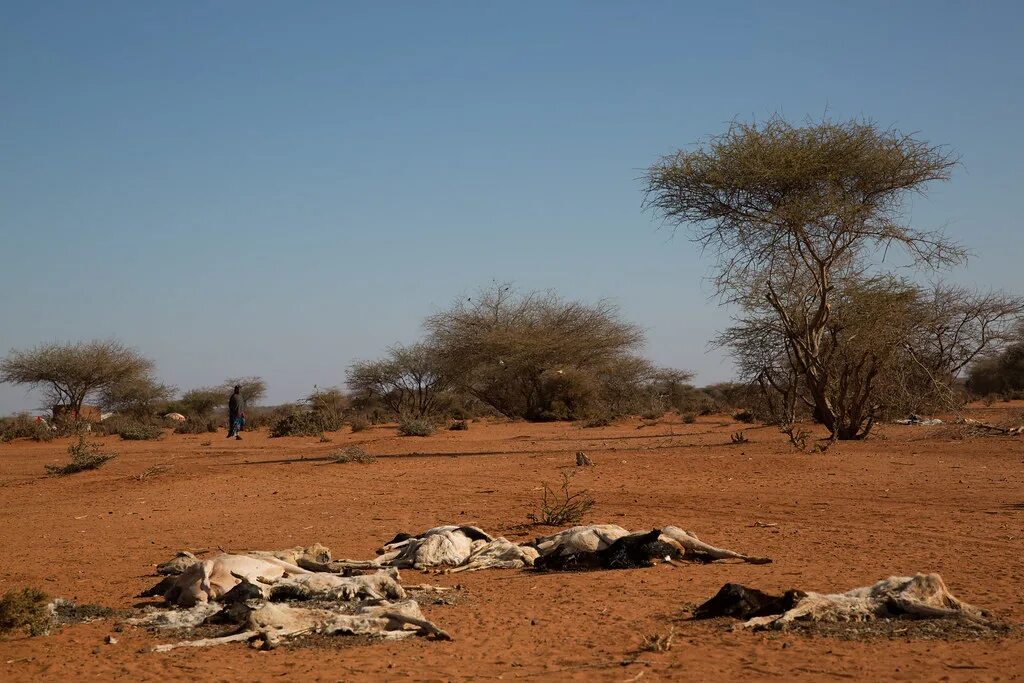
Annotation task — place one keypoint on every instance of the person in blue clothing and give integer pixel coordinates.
(236, 413)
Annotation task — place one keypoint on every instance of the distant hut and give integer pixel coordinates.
(63, 412)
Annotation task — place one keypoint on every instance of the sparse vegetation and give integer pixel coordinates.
(194, 424)
(67, 374)
(24, 426)
(352, 454)
(597, 421)
(744, 416)
(359, 424)
(564, 506)
(84, 456)
(538, 357)
(689, 418)
(656, 642)
(150, 472)
(412, 426)
(304, 423)
(130, 429)
(24, 608)
(458, 426)
(408, 381)
(203, 401)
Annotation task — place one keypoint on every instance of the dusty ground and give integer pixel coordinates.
(910, 500)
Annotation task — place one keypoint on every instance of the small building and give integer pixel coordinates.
(86, 414)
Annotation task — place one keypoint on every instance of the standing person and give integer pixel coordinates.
(236, 413)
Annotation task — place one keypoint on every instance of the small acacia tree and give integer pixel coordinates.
(999, 373)
(202, 401)
(68, 374)
(253, 389)
(408, 381)
(791, 213)
(138, 396)
(530, 355)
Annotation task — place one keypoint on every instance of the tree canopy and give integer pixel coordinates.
(69, 373)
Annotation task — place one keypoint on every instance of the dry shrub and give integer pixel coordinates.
(458, 426)
(305, 424)
(739, 437)
(359, 424)
(598, 421)
(138, 431)
(689, 418)
(352, 454)
(24, 608)
(24, 426)
(654, 642)
(744, 416)
(411, 426)
(561, 507)
(84, 456)
(194, 424)
(150, 472)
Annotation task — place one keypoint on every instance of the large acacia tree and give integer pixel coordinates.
(795, 216)
(68, 374)
(532, 355)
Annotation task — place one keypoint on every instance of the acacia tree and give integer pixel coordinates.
(202, 401)
(409, 380)
(999, 373)
(530, 355)
(252, 388)
(68, 374)
(137, 396)
(792, 212)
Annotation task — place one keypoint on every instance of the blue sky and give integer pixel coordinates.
(241, 188)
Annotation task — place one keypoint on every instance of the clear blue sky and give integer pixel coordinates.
(279, 188)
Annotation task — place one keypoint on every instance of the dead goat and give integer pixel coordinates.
(923, 596)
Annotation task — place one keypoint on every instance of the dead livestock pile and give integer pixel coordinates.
(256, 592)
(255, 595)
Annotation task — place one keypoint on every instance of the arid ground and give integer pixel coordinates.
(912, 499)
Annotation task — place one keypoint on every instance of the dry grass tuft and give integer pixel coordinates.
(558, 508)
(24, 608)
(654, 642)
(150, 472)
(353, 454)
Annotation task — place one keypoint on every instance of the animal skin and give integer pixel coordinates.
(210, 579)
(580, 540)
(923, 596)
(447, 548)
(312, 558)
(270, 623)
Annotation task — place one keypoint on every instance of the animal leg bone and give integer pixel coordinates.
(206, 642)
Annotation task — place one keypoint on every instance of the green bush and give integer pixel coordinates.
(129, 429)
(305, 424)
(24, 426)
(141, 432)
(84, 456)
(24, 608)
(352, 454)
(409, 426)
(194, 424)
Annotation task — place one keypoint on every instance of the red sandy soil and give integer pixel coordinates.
(912, 499)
